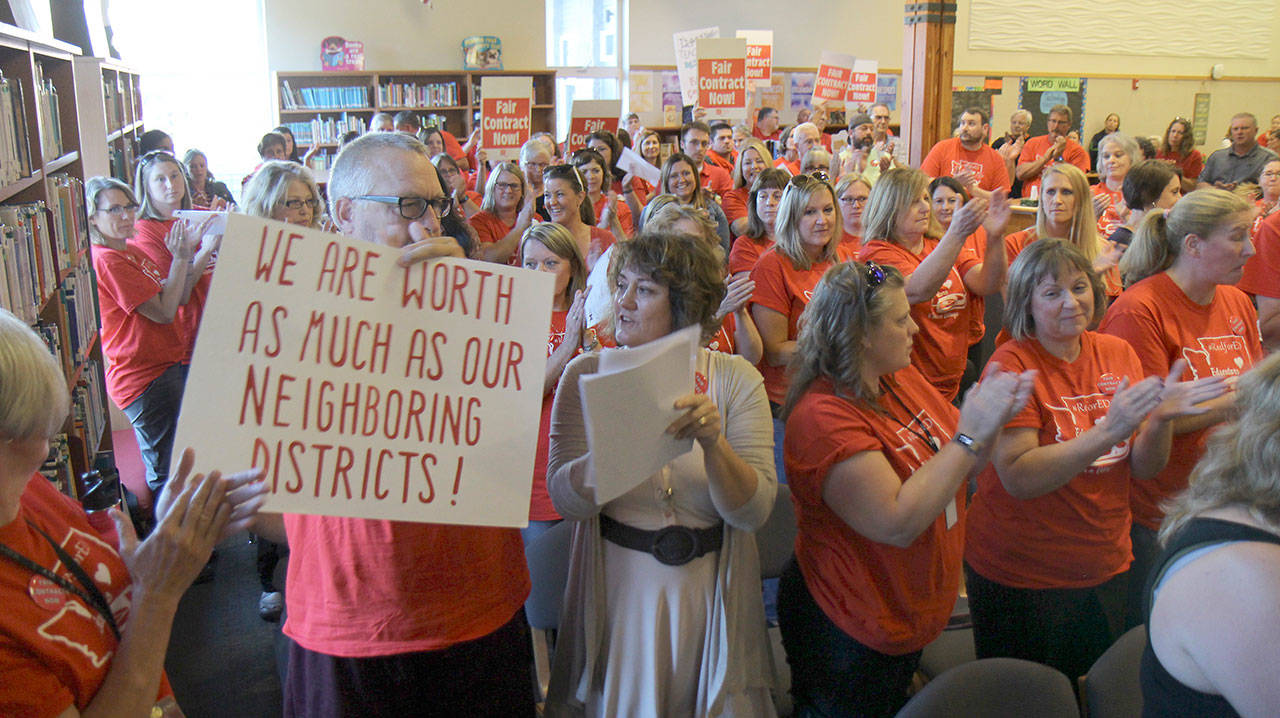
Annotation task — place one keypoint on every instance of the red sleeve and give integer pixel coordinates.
(720, 181)
(1194, 165)
(1077, 155)
(771, 285)
(1135, 325)
(734, 204)
(967, 259)
(999, 175)
(1012, 357)
(1262, 270)
(743, 255)
(835, 434)
(885, 253)
(451, 146)
(124, 281)
(1030, 151)
(932, 164)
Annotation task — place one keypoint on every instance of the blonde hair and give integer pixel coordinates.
(760, 149)
(268, 188)
(1084, 225)
(844, 308)
(560, 242)
(33, 391)
(489, 202)
(892, 194)
(1158, 242)
(786, 226)
(1241, 464)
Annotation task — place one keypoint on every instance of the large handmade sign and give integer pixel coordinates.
(366, 389)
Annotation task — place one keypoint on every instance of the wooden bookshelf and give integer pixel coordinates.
(446, 98)
(46, 276)
(110, 102)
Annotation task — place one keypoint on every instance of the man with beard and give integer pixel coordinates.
(1051, 148)
(853, 158)
(968, 158)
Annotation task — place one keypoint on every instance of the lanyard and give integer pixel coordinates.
(87, 591)
(927, 436)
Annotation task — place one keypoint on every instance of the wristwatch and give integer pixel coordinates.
(969, 443)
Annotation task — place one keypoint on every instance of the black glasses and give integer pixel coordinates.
(874, 277)
(297, 204)
(412, 207)
(120, 210)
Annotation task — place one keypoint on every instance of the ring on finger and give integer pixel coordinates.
(702, 421)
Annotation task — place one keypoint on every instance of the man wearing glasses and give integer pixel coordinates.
(1050, 148)
(394, 618)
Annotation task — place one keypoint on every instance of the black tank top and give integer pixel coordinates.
(1162, 694)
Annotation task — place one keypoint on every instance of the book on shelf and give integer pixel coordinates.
(15, 155)
(89, 407)
(112, 96)
(120, 162)
(347, 97)
(57, 468)
(331, 129)
(49, 115)
(27, 250)
(412, 94)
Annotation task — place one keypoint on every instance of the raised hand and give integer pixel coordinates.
(701, 421)
(740, 290)
(999, 210)
(968, 218)
(1130, 405)
(1186, 398)
(991, 403)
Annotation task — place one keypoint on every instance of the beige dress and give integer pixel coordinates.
(640, 638)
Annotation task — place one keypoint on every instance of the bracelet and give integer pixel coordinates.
(970, 444)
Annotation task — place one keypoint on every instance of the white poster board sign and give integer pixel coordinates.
(722, 78)
(506, 116)
(759, 56)
(365, 389)
(687, 60)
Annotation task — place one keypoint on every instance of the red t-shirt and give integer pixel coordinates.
(724, 163)
(1191, 165)
(746, 252)
(137, 349)
(1262, 270)
(734, 203)
(601, 239)
(722, 340)
(55, 650)
(1016, 242)
(361, 587)
(1110, 218)
(1036, 147)
(792, 167)
(149, 237)
(941, 348)
(540, 506)
(895, 600)
(759, 135)
(624, 213)
(787, 290)
(451, 146)
(643, 190)
(489, 228)
(715, 179)
(1164, 325)
(1077, 535)
(949, 157)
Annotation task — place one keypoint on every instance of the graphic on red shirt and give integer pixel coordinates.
(1078, 414)
(913, 449)
(1226, 356)
(951, 297)
(72, 619)
(973, 168)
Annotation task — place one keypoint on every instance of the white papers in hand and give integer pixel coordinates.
(627, 406)
(632, 162)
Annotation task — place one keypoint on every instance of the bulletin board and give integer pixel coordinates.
(1038, 94)
(962, 97)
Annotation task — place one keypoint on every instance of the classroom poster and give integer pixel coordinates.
(366, 389)
(722, 77)
(887, 91)
(1200, 118)
(759, 56)
(591, 116)
(832, 78)
(672, 100)
(641, 91)
(505, 116)
(1038, 95)
(686, 44)
(801, 89)
(862, 84)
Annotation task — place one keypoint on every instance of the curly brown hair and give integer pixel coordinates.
(687, 266)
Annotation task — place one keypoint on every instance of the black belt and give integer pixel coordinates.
(672, 545)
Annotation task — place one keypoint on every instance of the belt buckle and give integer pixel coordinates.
(675, 545)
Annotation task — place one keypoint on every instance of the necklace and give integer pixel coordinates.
(924, 435)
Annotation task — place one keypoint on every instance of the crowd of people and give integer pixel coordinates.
(842, 299)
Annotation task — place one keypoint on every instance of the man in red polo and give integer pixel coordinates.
(721, 153)
(1051, 148)
(968, 157)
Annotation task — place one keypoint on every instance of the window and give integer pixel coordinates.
(584, 41)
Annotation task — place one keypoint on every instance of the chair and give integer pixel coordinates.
(1111, 687)
(995, 688)
(548, 559)
(776, 540)
(953, 647)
